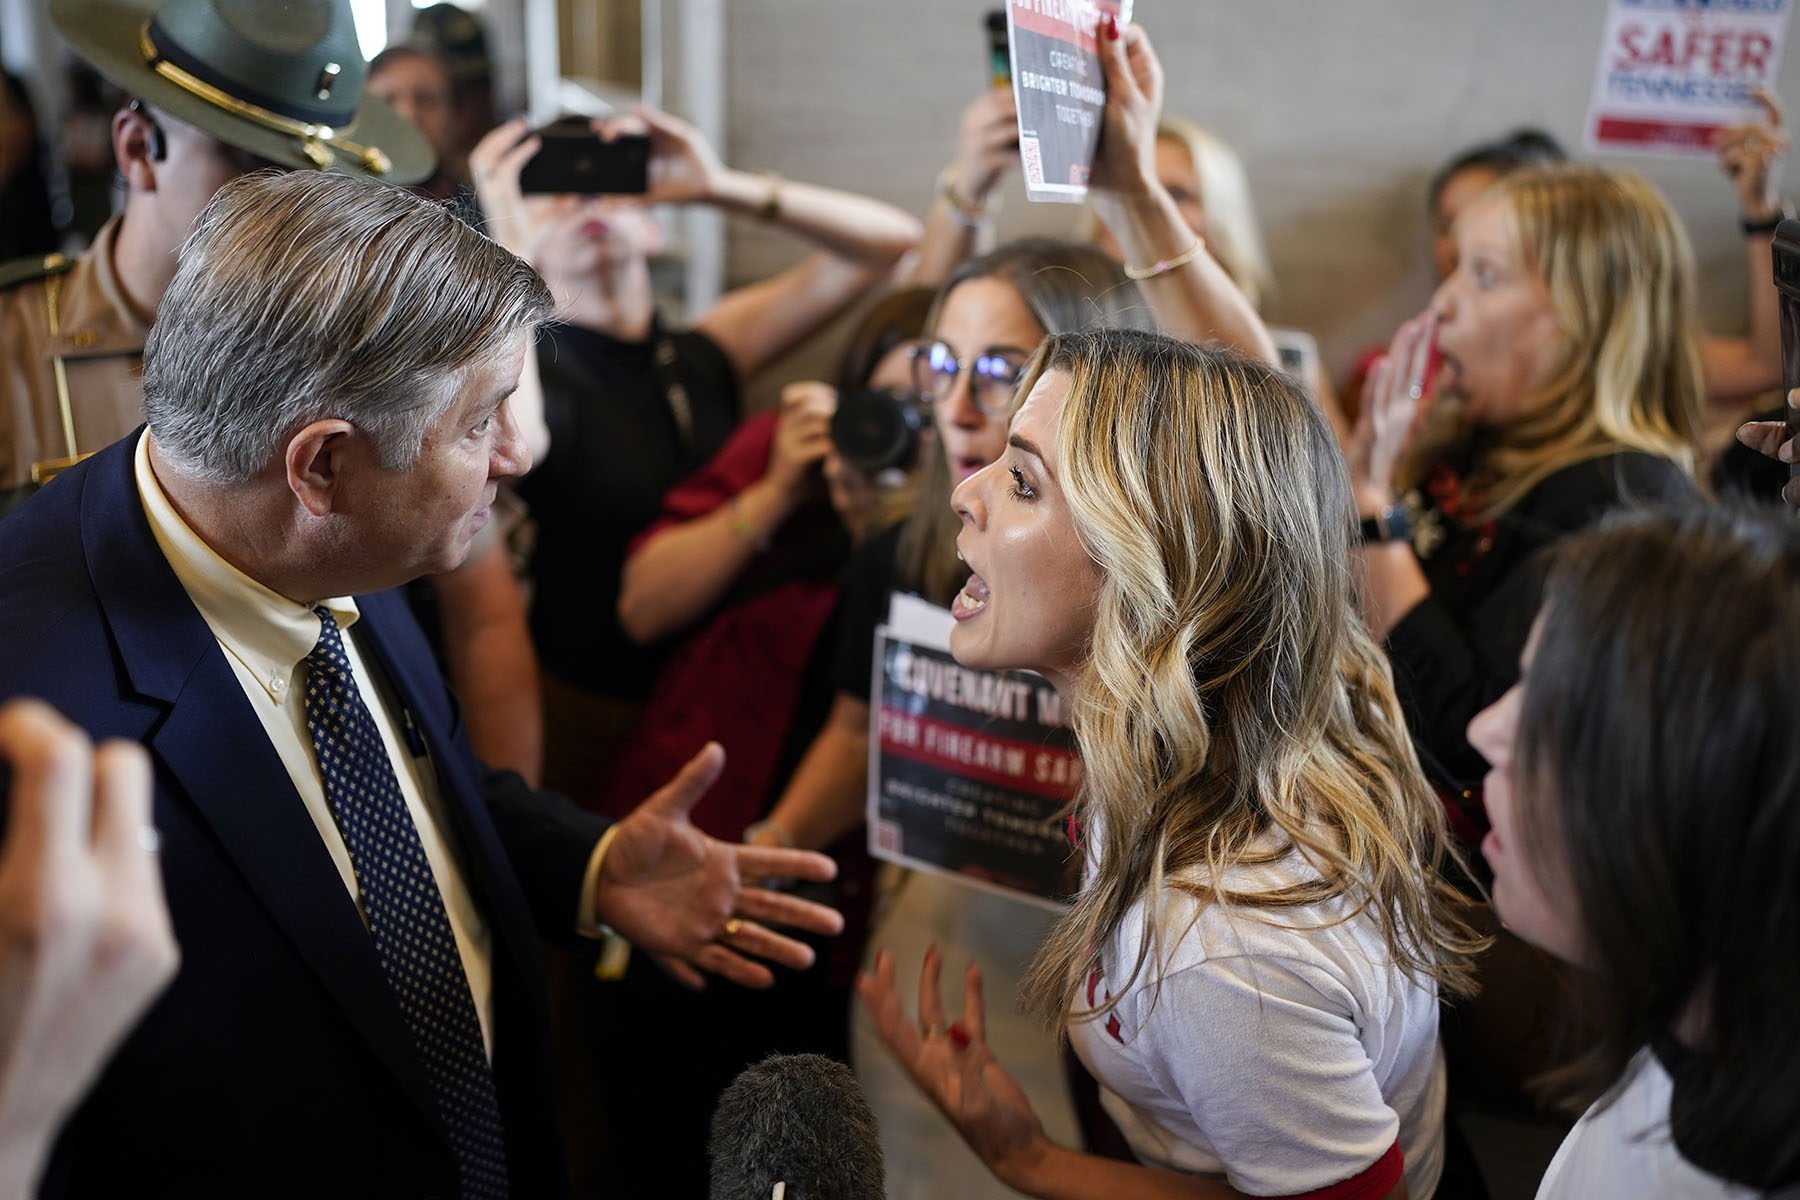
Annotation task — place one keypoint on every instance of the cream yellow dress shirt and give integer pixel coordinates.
(266, 638)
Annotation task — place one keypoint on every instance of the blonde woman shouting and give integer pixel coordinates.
(1252, 966)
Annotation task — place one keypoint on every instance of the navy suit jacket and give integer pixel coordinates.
(277, 1064)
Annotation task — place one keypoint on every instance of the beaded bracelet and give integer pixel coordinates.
(1168, 264)
(971, 215)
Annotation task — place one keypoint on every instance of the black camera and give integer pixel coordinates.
(879, 429)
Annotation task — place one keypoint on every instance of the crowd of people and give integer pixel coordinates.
(436, 715)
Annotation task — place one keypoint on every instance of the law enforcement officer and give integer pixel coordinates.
(223, 87)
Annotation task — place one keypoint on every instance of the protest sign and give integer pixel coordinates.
(1060, 90)
(968, 770)
(1674, 72)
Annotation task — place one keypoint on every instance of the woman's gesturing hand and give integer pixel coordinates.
(1396, 398)
(953, 1065)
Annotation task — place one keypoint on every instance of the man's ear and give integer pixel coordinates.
(315, 459)
(136, 144)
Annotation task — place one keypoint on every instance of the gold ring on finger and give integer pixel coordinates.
(732, 926)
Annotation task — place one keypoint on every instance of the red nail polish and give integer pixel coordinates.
(1112, 28)
(959, 1036)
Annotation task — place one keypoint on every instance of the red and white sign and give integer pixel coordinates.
(1060, 89)
(1674, 72)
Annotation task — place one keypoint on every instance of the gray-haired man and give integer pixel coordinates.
(359, 1006)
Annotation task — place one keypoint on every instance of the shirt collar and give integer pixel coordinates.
(267, 632)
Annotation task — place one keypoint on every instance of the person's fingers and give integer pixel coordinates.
(763, 862)
(883, 1000)
(52, 767)
(633, 124)
(1421, 356)
(655, 121)
(677, 797)
(754, 940)
(508, 164)
(683, 974)
(931, 1000)
(1378, 390)
(1791, 492)
(974, 1014)
(1146, 67)
(809, 393)
(781, 908)
(1110, 47)
(1768, 438)
(124, 839)
(720, 960)
(496, 142)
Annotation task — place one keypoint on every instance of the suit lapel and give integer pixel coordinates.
(214, 745)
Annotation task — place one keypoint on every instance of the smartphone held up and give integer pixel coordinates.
(573, 158)
(1787, 283)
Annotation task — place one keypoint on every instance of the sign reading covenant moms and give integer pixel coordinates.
(968, 770)
(1674, 72)
(1060, 90)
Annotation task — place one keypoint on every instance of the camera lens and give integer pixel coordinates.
(878, 429)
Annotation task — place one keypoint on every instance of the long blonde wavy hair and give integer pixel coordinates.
(1620, 273)
(1231, 690)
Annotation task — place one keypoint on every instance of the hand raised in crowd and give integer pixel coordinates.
(671, 890)
(953, 1064)
(85, 941)
(987, 146)
(802, 437)
(683, 165)
(1125, 159)
(1750, 156)
(1396, 398)
(1770, 439)
(494, 166)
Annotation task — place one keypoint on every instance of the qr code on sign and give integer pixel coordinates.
(1033, 159)
(887, 836)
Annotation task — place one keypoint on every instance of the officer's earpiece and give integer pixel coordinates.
(159, 145)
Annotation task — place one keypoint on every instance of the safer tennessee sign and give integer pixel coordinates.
(1673, 72)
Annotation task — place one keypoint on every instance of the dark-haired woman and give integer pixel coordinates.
(1658, 695)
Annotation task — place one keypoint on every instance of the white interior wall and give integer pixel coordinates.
(1340, 108)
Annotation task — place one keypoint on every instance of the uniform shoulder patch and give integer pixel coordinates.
(38, 266)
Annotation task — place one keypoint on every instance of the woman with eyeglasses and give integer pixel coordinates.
(988, 320)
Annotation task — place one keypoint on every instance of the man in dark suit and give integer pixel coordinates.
(359, 1010)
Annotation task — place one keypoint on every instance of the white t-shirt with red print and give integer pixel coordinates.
(1277, 1049)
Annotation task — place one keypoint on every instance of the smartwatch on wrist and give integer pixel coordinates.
(1391, 524)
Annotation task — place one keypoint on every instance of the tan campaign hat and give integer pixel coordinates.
(281, 79)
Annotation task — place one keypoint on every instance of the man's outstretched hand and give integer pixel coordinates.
(671, 890)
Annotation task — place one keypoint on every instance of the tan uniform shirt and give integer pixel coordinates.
(101, 342)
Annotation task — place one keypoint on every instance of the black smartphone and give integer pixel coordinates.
(999, 57)
(1787, 284)
(573, 158)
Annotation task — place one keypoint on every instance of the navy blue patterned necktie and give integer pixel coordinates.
(406, 915)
